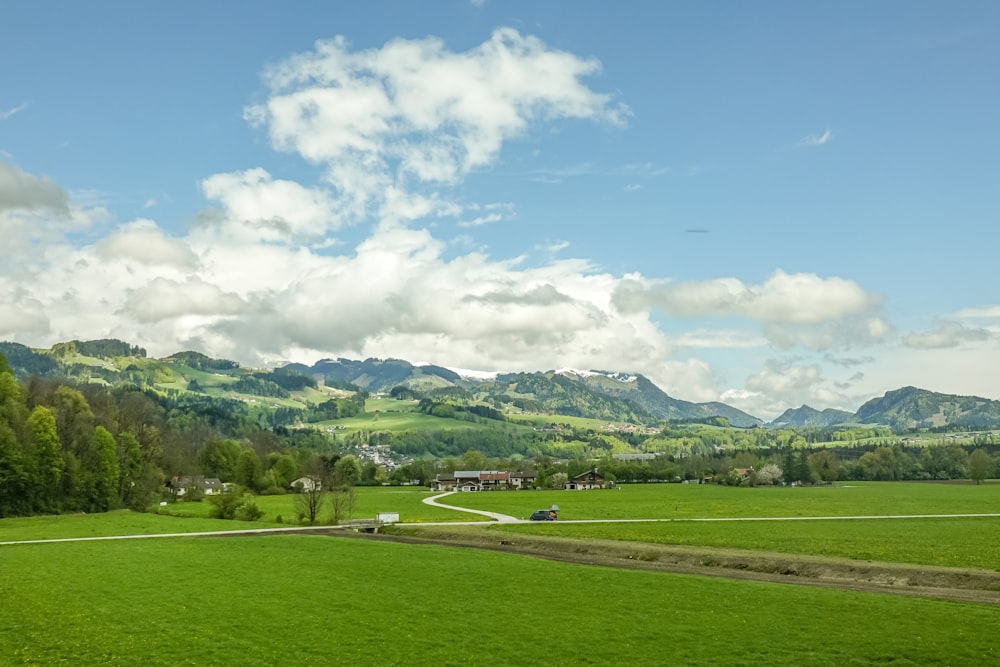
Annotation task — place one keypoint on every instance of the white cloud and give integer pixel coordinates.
(859, 330)
(800, 298)
(987, 312)
(413, 111)
(782, 385)
(150, 203)
(257, 206)
(19, 190)
(632, 187)
(812, 140)
(163, 299)
(944, 335)
(691, 380)
(717, 339)
(4, 115)
(144, 242)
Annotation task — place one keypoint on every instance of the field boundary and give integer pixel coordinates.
(945, 583)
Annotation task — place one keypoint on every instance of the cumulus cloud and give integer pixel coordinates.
(163, 299)
(800, 298)
(20, 314)
(945, 335)
(19, 190)
(415, 111)
(691, 379)
(849, 331)
(143, 241)
(259, 275)
(258, 206)
(781, 385)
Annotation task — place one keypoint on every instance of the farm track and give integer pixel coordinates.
(944, 583)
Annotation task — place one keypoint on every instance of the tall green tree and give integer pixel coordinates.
(249, 470)
(130, 464)
(980, 466)
(103, 471)
(347, 471)
(13, 476)
(48, 458)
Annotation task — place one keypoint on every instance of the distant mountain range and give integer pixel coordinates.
(597, 394)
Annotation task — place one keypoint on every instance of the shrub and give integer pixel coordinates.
(248, 511)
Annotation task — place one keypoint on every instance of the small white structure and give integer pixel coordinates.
(308, 483)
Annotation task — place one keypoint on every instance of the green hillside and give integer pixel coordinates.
(910, 408)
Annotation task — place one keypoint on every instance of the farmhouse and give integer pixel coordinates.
(482, 480)
(592, 479)
(181, 485)
(522, 479)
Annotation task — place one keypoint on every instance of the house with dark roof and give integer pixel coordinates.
(592, 479)
(522, 479)
(472, 480)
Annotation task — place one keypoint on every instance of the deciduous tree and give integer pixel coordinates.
(980, 466)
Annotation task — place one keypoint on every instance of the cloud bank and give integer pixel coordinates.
(261, 275)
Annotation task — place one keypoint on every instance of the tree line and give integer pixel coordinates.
(90, 448)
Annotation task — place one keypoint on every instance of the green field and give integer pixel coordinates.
(120, 522)
(951, 542)
(687, 501)
(192, 517)
(317, 600)
(369, 501)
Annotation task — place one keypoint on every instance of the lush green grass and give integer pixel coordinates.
(677, 501)
(316, 600)
(369, 501)
(576, 422)
(970, 542)
(409, 420)
(193, 517)
(121, 522)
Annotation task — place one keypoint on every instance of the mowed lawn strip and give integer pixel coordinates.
(318, 600)
(185, 517)
(949, 542)
(687, 501)
(119, 522)
(369, 501)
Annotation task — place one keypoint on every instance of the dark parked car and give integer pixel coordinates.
(544, 515)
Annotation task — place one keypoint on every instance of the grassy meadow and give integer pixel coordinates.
(368, 502)
(948, 542)
(689, 501)
(316, 600)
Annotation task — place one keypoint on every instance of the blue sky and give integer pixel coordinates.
(768, 204)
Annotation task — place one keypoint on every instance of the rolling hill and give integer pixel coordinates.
(807, 416)
(601, 395)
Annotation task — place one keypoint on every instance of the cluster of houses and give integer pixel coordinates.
(460, 480)
(496, 480)
(182, 485)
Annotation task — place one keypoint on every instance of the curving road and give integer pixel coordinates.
(496, 516)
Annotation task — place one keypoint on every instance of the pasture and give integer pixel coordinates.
(948, 542)
(317, 600)
(368, 502)
(689, 501)
(119, 522)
